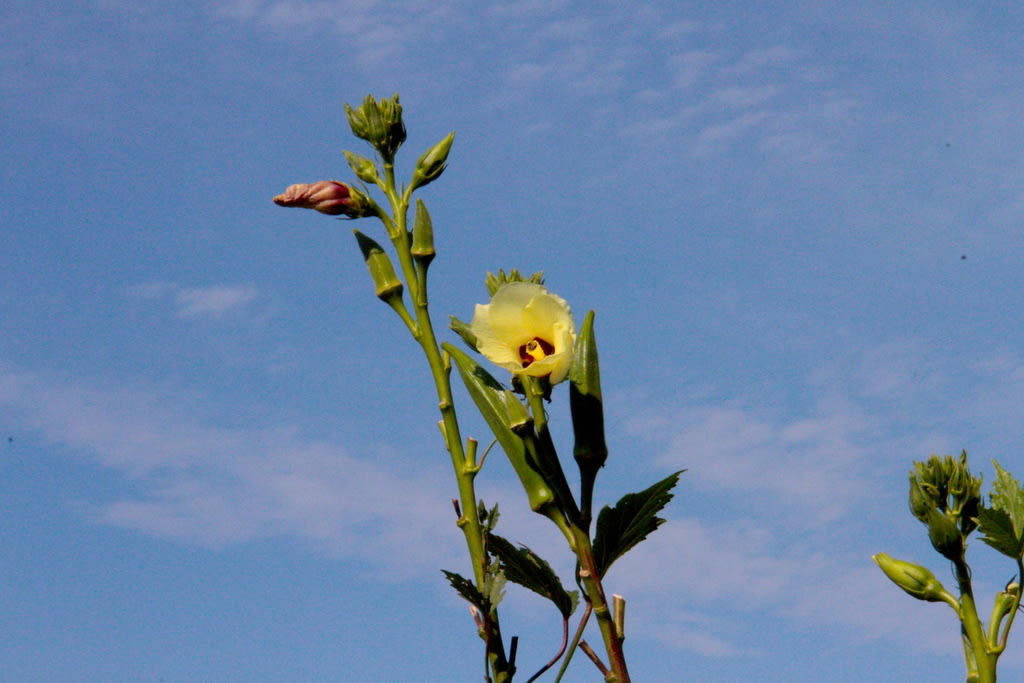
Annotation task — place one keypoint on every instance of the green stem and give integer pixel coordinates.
(577, 535)
(981, 663)
(465, 471)
(591, 580)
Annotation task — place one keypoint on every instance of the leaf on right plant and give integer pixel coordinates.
(1002, 524)
(632, 520)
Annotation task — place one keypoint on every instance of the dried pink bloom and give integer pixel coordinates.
(327, 196)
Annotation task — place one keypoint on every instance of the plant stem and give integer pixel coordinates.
(578, 536)
(981, 663)
(591, 581)
(465, 471)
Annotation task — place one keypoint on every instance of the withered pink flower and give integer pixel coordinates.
(327, 196)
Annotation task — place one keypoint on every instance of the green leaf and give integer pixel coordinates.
(526, 568)
(488, 518)
(467, 590)
(493, 592)
(997, 531)
(494, 584)
(1008, 496)
(632, 520)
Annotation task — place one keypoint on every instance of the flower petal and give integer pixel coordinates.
(519, 313)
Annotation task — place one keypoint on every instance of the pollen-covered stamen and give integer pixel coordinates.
(534, 350)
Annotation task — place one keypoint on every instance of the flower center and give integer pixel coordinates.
(534, 350)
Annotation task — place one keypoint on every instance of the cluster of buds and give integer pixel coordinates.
(379, 122)
(946, 497)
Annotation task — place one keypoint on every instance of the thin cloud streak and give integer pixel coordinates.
(215, 486)
(784, 502)
(214, 301)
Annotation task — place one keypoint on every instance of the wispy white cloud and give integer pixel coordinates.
(731, 577)
(779, 498)
(213, 485)
(377, 32)
(794, 462)
(214, 301)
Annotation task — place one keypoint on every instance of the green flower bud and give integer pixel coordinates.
(921, 504)
(914, 579)
(388, 286)
(394, 127)
(364, 168)
(432, 164)
(945, 536)
(959, 480)
(379, 123)
(358, 120)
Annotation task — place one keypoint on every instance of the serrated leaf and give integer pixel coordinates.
(997, 531)
(524, 567)
(494, 584)
(467, 590)
(488, 518)
(632, 520)
(1008, 496)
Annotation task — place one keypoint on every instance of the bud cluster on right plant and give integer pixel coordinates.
(946, 497)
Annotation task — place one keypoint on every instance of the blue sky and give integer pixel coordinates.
(799, 224)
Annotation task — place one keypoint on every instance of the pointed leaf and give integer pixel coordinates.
(526, 568)
(1008, 496)
(467, 590)
(632, 520)
(997, 531)
(494, 584)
